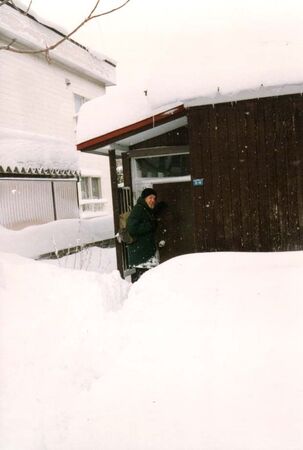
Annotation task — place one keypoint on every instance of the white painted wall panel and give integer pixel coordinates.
(66, 199)
(34, 96)
(25, 203)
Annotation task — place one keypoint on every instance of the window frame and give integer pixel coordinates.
(90, 201)
(140, 183)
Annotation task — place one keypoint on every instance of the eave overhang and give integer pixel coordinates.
(38, 173)
(120, 134)
(14, 26)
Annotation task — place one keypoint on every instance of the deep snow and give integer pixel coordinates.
(26, 150)
(51, 237)
(203, 352)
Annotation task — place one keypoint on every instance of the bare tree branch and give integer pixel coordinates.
(29, 7)
(3, 2)
(46, 50)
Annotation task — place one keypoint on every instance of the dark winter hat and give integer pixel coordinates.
(148, 191)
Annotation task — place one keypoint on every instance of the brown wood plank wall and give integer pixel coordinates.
(298, 139)
(197, 134)
(232, 154)
(127, 178)
(174, 137)
(250, 154)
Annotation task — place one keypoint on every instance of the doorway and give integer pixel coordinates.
(176, 226)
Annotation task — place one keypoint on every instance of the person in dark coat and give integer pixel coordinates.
(142, 225)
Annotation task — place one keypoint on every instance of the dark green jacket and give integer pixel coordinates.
(141, 225)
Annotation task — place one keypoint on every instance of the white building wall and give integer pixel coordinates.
(98, 166)
(36, 95)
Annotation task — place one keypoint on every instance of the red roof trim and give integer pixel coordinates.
(129, 130)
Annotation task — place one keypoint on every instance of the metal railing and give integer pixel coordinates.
(125, 204)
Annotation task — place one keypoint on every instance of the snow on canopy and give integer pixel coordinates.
(202, 68)
(116, 109)
(26, 150)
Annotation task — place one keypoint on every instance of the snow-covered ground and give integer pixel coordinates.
(91, 259)
(51, 237)
(203, 352)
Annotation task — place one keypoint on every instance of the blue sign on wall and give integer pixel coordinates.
(198, 182)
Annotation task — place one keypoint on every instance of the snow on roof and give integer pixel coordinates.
(36, 33)
(24, 6)
(25, 150)
(236, 71)
(113, 111)
(106, 114)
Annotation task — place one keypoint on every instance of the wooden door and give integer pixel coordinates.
(176, 225)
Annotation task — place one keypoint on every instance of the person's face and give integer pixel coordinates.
(151, 201)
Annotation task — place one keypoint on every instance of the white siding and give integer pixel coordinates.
(66, 200)
(25, 203)
(35, 97)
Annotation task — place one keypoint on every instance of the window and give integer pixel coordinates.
(91, 201)
(158, 168)
(79, 100)
(163, 166)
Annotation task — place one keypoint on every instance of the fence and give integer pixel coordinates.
(25, 202)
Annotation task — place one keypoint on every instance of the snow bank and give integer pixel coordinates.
(214, 357)
(205, 353)
(51, 237)
(52, 322)
(92, 259)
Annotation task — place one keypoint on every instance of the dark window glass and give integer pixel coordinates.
(163, 166)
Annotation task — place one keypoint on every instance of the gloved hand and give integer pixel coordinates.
(161, 243)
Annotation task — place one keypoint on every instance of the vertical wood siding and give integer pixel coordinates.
(250, 154)
(171, 138)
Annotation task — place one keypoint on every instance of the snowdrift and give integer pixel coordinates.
(203, 352)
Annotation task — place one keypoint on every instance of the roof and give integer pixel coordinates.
(32, 33)
(248, 53)
(145, 123)
(27, 153)
(143, 129)
(37, 173)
